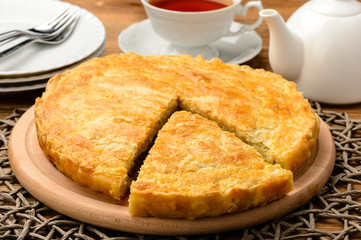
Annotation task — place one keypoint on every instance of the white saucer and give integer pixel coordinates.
(88, 36)
(141, 39)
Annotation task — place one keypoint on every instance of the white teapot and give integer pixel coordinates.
(320, 49)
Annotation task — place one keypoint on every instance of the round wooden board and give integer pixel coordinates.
(44, 182)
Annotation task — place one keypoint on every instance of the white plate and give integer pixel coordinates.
(141, 39)
(87, 37)
(40, 84)
(47, 75)
(36, 82)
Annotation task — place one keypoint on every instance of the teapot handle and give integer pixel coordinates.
(243, 9)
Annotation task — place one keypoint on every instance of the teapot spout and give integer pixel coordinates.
(286, 47)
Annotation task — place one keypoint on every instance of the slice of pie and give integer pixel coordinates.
(195, 169)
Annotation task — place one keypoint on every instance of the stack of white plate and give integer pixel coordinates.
(31, 67)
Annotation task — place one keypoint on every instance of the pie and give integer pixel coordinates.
(96, 121)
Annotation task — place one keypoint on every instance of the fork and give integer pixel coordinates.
(54, 39)
(50, 28)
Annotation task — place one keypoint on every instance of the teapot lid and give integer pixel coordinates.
(336, 8)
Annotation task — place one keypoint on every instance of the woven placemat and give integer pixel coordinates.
(338, 205)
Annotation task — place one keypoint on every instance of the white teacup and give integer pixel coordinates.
(192, 32)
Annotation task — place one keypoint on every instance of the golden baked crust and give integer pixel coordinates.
(95, 120)
(195, 169)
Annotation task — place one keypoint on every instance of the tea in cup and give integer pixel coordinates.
(191, 25)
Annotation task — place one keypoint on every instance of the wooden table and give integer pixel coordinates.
(119, 14)
(116, 15)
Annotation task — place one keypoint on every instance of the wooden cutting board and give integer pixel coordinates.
(44, 182)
